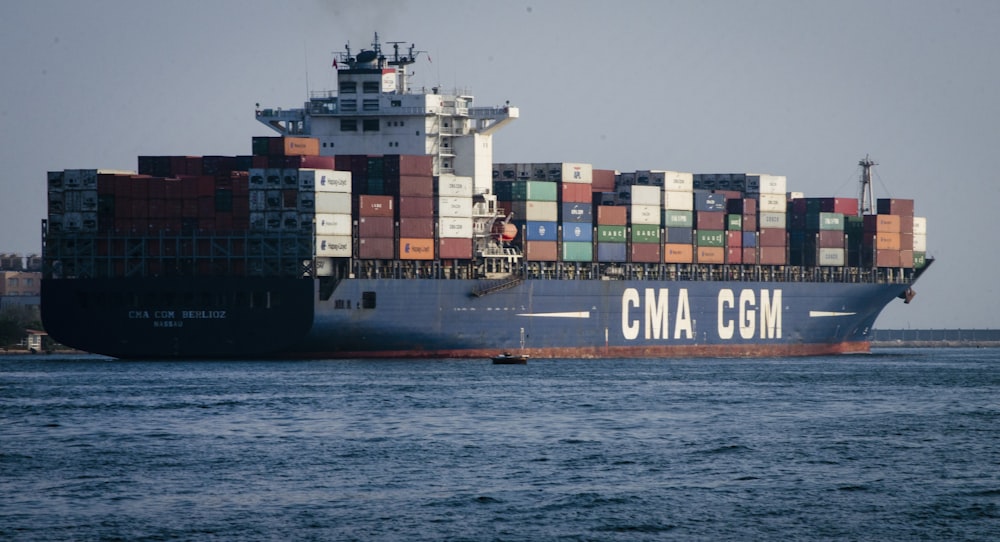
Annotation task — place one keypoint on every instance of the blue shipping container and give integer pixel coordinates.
(578, 212)
(541, 231)
(611, 252)
(749, 239)
(575, 231)
(680, 235)
(705, 200)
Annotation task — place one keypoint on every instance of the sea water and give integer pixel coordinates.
(902, 444)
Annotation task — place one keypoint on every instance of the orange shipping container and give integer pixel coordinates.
(711, 255)
(883, 241)
(295, 146)
(576, 193)
(678, 253)
(882, 223)
(411, 248)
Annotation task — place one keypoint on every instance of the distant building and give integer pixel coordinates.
(20, 283)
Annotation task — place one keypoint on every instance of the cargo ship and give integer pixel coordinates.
(373, 222)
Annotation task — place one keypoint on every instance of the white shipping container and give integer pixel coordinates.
(769, 184)
(454, 186)
(832, 256)
(675, 200)
(333, 246)
(455, 206)
(769, 203)
(772, 220)
(333, 202)
(455, 228)
(542, 211)
(796, 195)
(919, 226)
(920, 242)
(673, 180)
(325, 180)
(646, 195)
(645, 214)
(570, 172)
(333, 224)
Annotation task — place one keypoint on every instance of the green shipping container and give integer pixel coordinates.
(734, 222)
(919, 260)
(536, 191)
(711, 238)
(577, 251)
(611, 234)
(645, 233)
(825, 221)
(678, 219)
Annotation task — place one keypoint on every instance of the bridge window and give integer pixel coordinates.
(348, 87)
(371, 87)
(370, 105)
(348, 125)
(371, 125)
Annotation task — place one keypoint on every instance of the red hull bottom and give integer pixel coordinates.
(680, 351)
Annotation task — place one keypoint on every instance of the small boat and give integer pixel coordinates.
(508, 358)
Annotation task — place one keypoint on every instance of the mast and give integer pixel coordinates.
(865, 199)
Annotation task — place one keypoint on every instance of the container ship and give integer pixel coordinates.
(373, 222)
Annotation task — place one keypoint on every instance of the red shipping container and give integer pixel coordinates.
(412, 185)
(541, 251)
(906, 224)
(771, 255)
(882, 258)
(710, 255)
(416, 227)
(646, 252)
(831, 239)
(749, 255)
(612, 216)
(408, 164)
(734, 239)
(140, 186)
(308, 162)
(750, 222)
(456, 249)
(376, 226)
(206, 186)
(576, 193)
(603, 181)
(845, 206)
(892, 206)
(734, 255)
(416, 207)
(375, 205)
(906, 258)
(772, 237)
(376, 248)
(711, 220)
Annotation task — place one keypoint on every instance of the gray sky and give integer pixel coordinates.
(797, 88)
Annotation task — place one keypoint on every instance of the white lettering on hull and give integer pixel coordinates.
(749, 313)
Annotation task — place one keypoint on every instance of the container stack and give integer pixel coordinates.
(772, 221)
(535, 206)
(612, 238)
(887, 239)
(330, 193)
(576, 214)
(678, 217)
(644, 223)
(818, 230)
(455, 225)
(710, 226)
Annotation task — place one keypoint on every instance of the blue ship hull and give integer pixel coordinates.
(289, 317)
